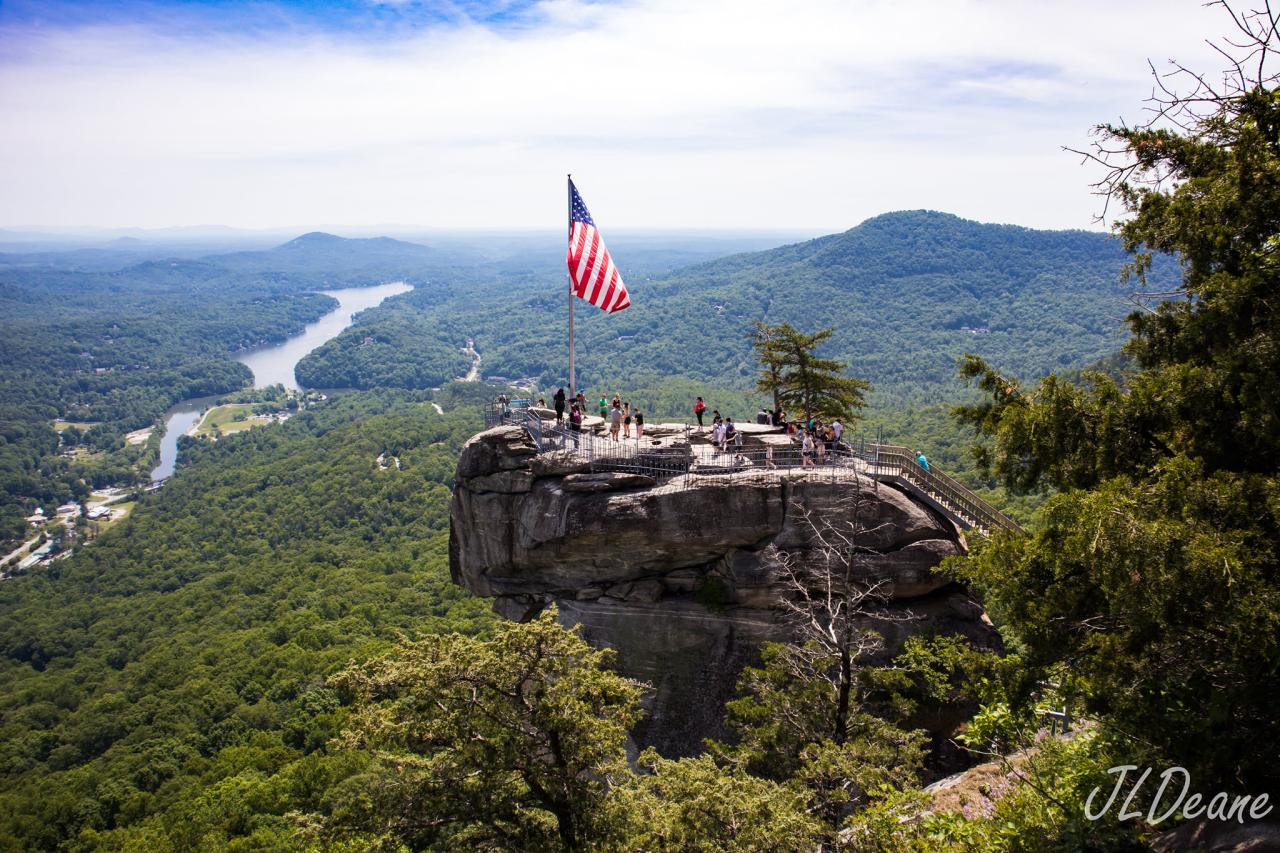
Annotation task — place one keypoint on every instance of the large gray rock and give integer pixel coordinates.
(503, 448)
(677, 576)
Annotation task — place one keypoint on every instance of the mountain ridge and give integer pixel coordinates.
(908, 293)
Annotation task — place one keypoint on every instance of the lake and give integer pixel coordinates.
(274, 364)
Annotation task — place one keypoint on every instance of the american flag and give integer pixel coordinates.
(591, 270)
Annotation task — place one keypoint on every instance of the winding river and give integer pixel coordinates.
(274, 363)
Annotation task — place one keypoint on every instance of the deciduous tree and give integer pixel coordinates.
(507, 742)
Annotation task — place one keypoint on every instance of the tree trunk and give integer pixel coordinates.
(842, 702)
(563, 809)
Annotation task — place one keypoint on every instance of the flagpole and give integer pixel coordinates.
(573, 391)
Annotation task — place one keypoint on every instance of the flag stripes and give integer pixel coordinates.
(591, 268)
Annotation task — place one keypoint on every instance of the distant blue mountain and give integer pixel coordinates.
(318, 251)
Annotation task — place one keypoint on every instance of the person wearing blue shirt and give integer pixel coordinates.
(921, 461)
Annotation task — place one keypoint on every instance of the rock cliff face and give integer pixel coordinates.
(672, 575)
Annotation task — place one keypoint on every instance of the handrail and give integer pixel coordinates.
(941, 486)
(882, 461)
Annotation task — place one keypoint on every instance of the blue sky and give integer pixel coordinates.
(360, 18)
(814, 114)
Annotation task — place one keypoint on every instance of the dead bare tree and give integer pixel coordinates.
(831, 597)
(815, 712)
(1185, 101)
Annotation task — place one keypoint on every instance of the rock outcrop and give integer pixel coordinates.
(674, 576)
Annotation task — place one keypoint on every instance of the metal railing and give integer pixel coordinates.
(662, 461)
(961, 502)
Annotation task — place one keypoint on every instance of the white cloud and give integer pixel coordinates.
(719, 114)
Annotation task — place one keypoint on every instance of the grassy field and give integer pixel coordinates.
(59, 426)
(119, 512)
(229, 418)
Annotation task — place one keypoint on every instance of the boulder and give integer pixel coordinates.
(619, 590)
(503, 448)
(677, 576)
(519, 608)
(909, 572)
(648, 590)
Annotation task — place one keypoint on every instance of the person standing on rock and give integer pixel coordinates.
(558, 399)
(626, 420)
(806, 450)
(730, 434)
(639, 424)
(698, 408)
(615, 422)
(575, 424)
(604, 407)
(838, 429)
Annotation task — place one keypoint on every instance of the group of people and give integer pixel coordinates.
(619, 414)
(723, 430)
(817, 440)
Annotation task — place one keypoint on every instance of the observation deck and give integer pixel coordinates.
(671, 450)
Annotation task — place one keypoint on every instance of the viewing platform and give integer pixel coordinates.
(672, 450)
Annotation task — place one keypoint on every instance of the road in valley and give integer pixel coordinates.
(473, 375)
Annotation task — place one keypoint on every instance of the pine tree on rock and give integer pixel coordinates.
(801, 381)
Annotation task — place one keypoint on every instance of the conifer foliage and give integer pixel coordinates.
(800, 381)
(1155, 574)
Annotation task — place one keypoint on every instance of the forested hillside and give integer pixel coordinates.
(908, 293)
(111, 352)
(110, 349)
(335, 261)
(165, 686)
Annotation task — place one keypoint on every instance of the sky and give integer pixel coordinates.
(708, 114)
